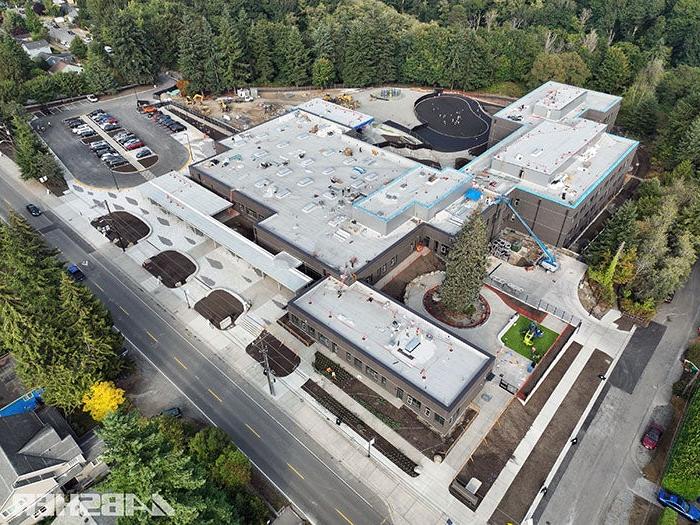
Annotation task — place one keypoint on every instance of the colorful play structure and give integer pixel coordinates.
(533, 332)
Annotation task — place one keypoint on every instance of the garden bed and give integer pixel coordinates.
(513, 339)
(402, 420)
(534, 471)
(496, 449)
(353, 421)
(455, 319)
(283, 361)
(546, 362)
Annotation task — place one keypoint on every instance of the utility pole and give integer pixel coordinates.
(268, 372)
(113, 222)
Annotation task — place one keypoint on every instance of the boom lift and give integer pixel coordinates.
(547, 261)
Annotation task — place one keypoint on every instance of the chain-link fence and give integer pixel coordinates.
(536, 302)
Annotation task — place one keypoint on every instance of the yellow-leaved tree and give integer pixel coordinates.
(102, 399)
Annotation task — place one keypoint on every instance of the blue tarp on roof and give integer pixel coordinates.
(26, 403)
(473, 194)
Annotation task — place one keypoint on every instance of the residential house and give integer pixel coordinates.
(39, 458)
(35, 48)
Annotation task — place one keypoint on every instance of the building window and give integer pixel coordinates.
(334, 347)
(371, 372)
(324, 340)
(251, 213)
(399, 392)
(357, 363)
(392, 262)
(439, 419)
(383, 381)
(348, 357)
(413, 402)
(427, 412)
(443, 249)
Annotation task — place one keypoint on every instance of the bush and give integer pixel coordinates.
(668, 517)
(683, 473)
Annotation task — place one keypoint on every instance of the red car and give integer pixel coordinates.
(135, 145)
(652, 436)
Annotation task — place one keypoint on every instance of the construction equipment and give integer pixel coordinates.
(347, 101)
(547, 261)
(197, 98)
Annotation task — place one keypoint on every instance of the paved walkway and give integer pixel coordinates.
(421, 500)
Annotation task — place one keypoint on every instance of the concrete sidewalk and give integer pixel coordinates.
(421, 500)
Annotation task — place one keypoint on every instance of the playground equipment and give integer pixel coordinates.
(533, 332)
(547, 261)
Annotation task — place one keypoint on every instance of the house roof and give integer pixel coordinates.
(30, 442)
(36, 44)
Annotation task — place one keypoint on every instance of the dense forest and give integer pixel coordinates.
(648, 52)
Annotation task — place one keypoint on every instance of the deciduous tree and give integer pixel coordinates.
(102, 399)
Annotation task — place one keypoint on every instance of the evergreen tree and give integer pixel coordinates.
(293, 57)
(131, 54)
(323, 72)
(15, 64)
(232, 469)
(260, 40)
(198, 58)
(466, 266)
(613, 73)
(235, 72)
(690, 146)
(28, 149)
(98, 74)
(621, 227)
(78, 47)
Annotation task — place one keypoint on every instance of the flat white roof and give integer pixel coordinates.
(281, 267)
(549, 145)
(435, 362)
(423, 185)
(180, 187)
(556, 96)
(335, 113)
(309, 173)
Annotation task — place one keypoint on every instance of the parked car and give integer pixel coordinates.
(678, 504)
(177, 127)
(87, 133)
(80, 128)
(98, 144)
(116, 163)
(108, 49)
(652, 435)
(96, 112)
(135, 145)
(172, 412)
(111, 127)
(104, 151)
(33, 210)
(143, 153)
(75, 273)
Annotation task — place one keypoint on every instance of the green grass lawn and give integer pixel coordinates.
(513, 338)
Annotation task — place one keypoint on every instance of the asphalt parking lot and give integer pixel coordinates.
(87, 168)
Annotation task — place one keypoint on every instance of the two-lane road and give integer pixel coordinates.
(305, 472)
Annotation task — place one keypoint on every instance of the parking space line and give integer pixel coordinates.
(100, 288)
(123, 309)
(296, 472)
(253, 430)
(344, 517)
(214, 394)
(151, 336)
(180, 363)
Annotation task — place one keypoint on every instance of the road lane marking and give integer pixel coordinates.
(344, 517)
(180, 363)
(184, 339)
(297, 472)
(100, 288)
(8, 203)
(214, 394)
(151, 336)
(123, 309)
(252, 430)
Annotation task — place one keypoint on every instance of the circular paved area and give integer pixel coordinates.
(451, 122)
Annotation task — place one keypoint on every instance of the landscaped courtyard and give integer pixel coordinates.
(514, 339)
